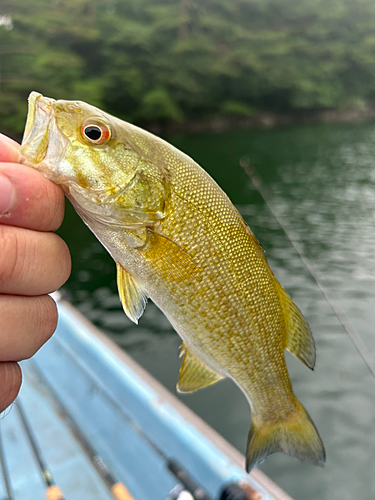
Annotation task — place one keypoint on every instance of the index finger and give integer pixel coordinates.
(36, 203)
(8, 149)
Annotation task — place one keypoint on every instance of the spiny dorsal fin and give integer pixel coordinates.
(195, 373)
(133, 299)
(299, 340)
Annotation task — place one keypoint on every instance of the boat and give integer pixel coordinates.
(91, 424)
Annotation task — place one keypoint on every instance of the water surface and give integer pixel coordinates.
(322, 183)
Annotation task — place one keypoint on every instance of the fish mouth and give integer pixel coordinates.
(36, 136)
(42, 144)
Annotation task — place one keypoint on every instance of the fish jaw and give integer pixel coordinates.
(36, 135)
(43, 145)
(108, 182)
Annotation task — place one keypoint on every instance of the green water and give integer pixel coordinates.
(322, 182)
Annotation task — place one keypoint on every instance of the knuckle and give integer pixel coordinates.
(48, 317)
(12, 249)
(55, 265)
(65, 262)
(32, 262)
(44, 323)
(11, 379)
(52, 208)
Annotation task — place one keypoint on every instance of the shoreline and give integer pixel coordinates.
(260, 120)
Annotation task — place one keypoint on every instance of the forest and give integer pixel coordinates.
(180, 60)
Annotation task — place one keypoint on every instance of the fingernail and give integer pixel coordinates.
(7, 195)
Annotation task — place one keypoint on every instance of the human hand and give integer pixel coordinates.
(33, 263)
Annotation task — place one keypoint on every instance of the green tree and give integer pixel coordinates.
(180, 59)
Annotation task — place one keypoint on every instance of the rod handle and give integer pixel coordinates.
(120, 492)
(53, 492)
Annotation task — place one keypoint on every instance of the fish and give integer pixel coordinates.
(177, 239)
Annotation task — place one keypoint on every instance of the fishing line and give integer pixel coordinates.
(5, 471)
(312, 268)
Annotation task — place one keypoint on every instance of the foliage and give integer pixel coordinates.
(178, 59)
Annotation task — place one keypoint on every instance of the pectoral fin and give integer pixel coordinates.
(169, 258)
(132, 297)
(195, 373)
(299, 340)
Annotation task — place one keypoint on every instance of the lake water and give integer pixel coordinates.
(322, 183)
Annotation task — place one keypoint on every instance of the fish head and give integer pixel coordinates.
(92, 155)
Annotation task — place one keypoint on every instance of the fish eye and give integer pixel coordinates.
(95, 132)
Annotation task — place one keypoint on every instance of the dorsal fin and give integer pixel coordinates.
(195, 373)
(299, 340)
(132, 297)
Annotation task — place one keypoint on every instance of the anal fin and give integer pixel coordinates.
(132, 297)
(299, 340)
(195, 373)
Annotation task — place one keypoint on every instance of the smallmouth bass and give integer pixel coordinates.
(176, 238)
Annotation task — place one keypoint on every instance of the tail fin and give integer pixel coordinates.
(296, 436)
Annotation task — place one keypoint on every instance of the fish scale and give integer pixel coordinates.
(243, 262)
(177, 239)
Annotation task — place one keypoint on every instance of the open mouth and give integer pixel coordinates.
(36, 136)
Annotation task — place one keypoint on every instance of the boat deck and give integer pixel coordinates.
(91, 421)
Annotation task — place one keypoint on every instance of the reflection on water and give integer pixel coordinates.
(322, 180)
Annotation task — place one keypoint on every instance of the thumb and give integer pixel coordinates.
(8, 149)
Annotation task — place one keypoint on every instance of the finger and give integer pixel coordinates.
(10, 383)
(26, 324)
(9, 149)
(32, 262)
(28, 199)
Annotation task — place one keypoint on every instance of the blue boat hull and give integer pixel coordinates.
(131, 422)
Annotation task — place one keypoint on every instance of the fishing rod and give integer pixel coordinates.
(53, 492)
(5, 471)
(117, 488)
(330, 297)
(190, 486)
